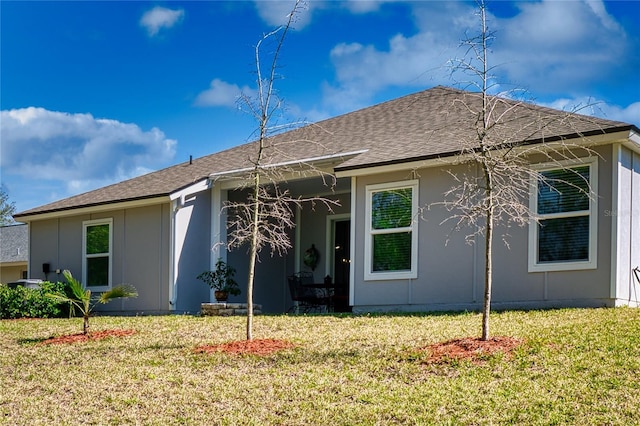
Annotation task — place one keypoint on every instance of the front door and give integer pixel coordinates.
(341, 263)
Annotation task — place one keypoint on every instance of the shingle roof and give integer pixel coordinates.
(426, 124)
(14, 243)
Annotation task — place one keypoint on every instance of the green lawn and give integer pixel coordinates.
(576, 367)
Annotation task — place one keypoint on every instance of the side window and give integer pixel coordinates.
(565, 235)
(391, 249)
(96, 247)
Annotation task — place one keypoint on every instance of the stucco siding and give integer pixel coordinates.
(193, 249)
(43, 248)
(451, 271)
(140, 253)
(270, 283)
(313, 230)
(11, 273)
(625, 214)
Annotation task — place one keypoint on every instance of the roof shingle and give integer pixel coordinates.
(427, 124)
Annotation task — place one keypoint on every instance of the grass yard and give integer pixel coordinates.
(577, 367)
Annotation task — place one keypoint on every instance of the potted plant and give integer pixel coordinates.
(221, 280)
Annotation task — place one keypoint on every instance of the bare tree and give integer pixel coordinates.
(264, 218)
(507, 135)
(7, 208)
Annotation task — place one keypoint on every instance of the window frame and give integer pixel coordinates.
(369, 274)
(592, 213)
(86, 224)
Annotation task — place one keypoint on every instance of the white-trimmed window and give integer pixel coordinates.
(564, 200)
(96, 254)
(391, 250)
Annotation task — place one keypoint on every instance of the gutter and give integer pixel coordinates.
(345, 171)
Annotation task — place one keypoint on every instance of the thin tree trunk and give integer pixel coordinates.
(488, 271)
(488, 177)
(85, 324)
(252, 258)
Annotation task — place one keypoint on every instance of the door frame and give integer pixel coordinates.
(330, 241)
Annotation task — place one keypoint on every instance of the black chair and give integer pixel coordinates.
(305, 296)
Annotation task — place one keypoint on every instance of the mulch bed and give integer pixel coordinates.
(247, 347)
(472, 349)
(93, 335)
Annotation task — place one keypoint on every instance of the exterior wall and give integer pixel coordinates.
(270, 282)
(446, 274)
(271, 286)
(625, 216)
(10, 273)
(140, 253)
(451, 272)
(192, 241)
(313, 230)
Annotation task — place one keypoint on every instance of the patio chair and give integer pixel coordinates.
(307, 298)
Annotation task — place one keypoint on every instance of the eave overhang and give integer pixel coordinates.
(625, 135)
(294, 169)
(92, 208)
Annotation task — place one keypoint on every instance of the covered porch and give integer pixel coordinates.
(322, 230)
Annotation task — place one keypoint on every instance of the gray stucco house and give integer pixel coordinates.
(157, 231)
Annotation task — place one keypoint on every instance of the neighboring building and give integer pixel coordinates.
(157, 231)
(14, 252)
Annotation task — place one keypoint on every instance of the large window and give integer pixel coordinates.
(565, 236)
(392, 244)
(96, 249)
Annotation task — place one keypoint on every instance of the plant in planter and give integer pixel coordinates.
(221, 281)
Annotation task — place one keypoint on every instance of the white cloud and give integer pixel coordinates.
(77, 149)
(363, 6)
(276, 12)
(418, 60)
(546, 47)
(221, 93)
(598, 108)
(555, 45)
(160, 17)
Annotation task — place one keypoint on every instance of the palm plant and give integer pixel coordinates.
(81, 297)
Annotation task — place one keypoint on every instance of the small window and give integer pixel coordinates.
(565, 235)
(96, 268)
(391, 251)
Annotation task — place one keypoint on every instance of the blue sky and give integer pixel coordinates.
(93, 93)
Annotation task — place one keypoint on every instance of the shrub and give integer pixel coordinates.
(22, 302)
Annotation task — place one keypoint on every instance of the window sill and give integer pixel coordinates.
(562, 266)
(97, 289)
(390, 276)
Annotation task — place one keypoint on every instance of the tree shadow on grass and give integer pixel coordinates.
(31, 340)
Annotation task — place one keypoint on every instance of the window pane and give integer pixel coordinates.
(564, 191)
(565, 239)
(98, 239)
(97, 271)
(391, 209)
(392, 252)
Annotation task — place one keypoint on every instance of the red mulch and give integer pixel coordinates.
(251, 347)
(469, 348)
(93, 335)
